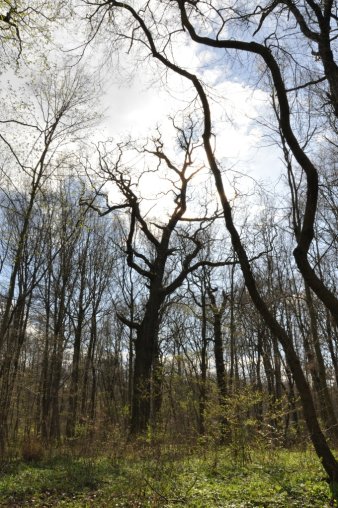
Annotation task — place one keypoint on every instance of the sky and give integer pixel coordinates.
(135, 107)
(137, 98)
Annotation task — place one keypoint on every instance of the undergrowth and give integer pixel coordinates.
(167, 477)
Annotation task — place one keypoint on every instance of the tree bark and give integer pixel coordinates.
(145, 347)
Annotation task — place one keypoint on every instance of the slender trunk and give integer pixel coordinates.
(74, 380)
(89, 361)
(233, 354)
(74, 383)
(219, 356)
(157, 382)
(92, 406)
(277, 369)
(44, 382)
(221, 375)
(54, 429)
(131, 347)
(203, 370)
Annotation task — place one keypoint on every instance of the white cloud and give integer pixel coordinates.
(142, 95)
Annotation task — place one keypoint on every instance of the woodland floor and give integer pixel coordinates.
(167, 477)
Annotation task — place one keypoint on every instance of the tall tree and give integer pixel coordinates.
(164, 265)
(212, 31)
(58, 114)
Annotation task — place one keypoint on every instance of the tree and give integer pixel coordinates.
(22, 23)
(94, 258)
(165, 263)
(207, 23)
(58, 115)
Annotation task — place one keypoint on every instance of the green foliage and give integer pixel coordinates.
(168, 477)
(247, 421)
(57, 479)
(26, 27)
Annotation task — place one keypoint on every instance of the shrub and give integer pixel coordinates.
(32, 450)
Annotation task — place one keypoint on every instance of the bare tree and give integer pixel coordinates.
(141, 25)
(58, 115)
(164, 266)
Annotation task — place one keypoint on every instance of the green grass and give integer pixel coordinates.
(167, 479)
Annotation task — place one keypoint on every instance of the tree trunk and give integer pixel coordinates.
(319, 374)
(145, 347)
(74, 384)
(202, 394)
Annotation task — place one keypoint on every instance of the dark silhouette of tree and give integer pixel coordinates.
(207, 32)
(170, 257)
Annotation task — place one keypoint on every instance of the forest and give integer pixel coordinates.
(168, 253)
